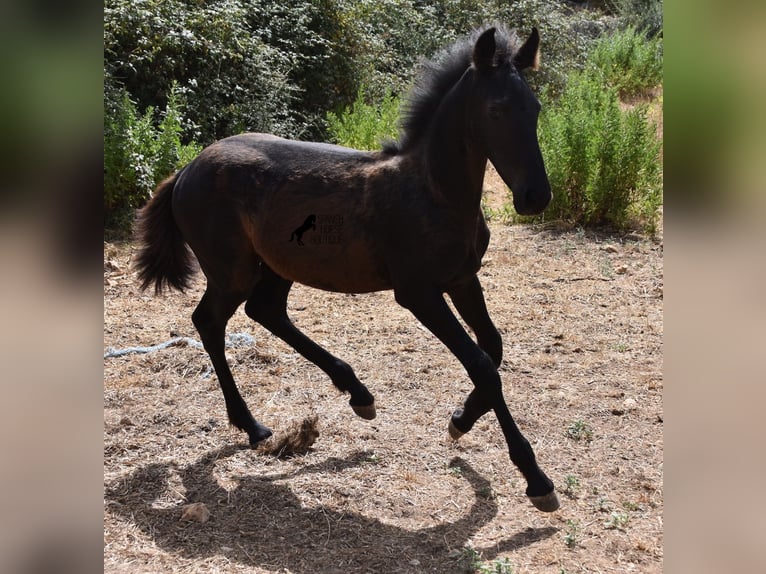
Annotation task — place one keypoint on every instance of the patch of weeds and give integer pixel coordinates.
(580, 431)
(470, 562)
(602, 505)
(606, 268)
(455, 470)
(571, 485)
(568, 247)
(572, 534)
(621, 347)
(631, 506)
(505, 214)
(371, 458)
(617, 521)
(497, 566)
(468, 559)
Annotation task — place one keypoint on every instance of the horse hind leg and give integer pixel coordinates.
(210, 318)
(267, 305)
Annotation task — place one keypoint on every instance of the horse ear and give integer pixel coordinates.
(528, 55)
(484, 50)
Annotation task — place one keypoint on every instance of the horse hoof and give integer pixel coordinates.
(546, 503)
(367, 412)
(454, 432)
(259, 436)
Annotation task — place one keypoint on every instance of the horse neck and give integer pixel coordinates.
(454, 166)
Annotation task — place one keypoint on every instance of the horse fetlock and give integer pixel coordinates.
(361, 397)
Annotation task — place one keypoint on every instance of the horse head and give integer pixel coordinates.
(503, 117)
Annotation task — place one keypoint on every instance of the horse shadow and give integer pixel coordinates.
(261, 522)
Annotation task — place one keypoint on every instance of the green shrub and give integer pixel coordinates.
(365, 125)
(566, 36)
(139, 154)
(628, 61)
(644, 15)
(232, 58)
(603, 161)
(278, 67)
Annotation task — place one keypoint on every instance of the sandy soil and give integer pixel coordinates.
(581, 317)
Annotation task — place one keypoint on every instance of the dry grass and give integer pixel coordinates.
(581, 317)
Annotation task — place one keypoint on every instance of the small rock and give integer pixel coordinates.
(621, 269)
(609, 248)
(195, 512)
(629, 404)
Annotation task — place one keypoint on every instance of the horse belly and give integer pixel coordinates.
(323, 251)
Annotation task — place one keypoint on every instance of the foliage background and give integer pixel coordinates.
(294, 68)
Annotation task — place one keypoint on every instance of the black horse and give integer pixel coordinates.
(411, 221)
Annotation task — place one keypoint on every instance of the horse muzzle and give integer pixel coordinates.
(532, 201)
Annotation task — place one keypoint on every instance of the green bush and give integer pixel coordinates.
(278, 67)
(566, 36)
(644, 15)
(232, 58)
(139, 152)
(628, 61)
(603, 161)
(603, 158)
(365, 125)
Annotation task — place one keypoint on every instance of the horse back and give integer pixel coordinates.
(261, 192)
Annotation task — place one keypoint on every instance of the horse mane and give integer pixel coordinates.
(436, 78)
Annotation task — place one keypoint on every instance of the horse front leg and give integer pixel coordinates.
(430, 308)
(469, 302)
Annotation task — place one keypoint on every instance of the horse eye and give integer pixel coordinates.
(495, 112)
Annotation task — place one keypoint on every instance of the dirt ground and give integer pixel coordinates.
(581, 318)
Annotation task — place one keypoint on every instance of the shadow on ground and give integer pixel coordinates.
(261, 522)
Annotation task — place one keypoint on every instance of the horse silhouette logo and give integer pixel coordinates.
(310, 223)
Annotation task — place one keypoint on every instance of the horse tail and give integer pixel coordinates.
(163, 258)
